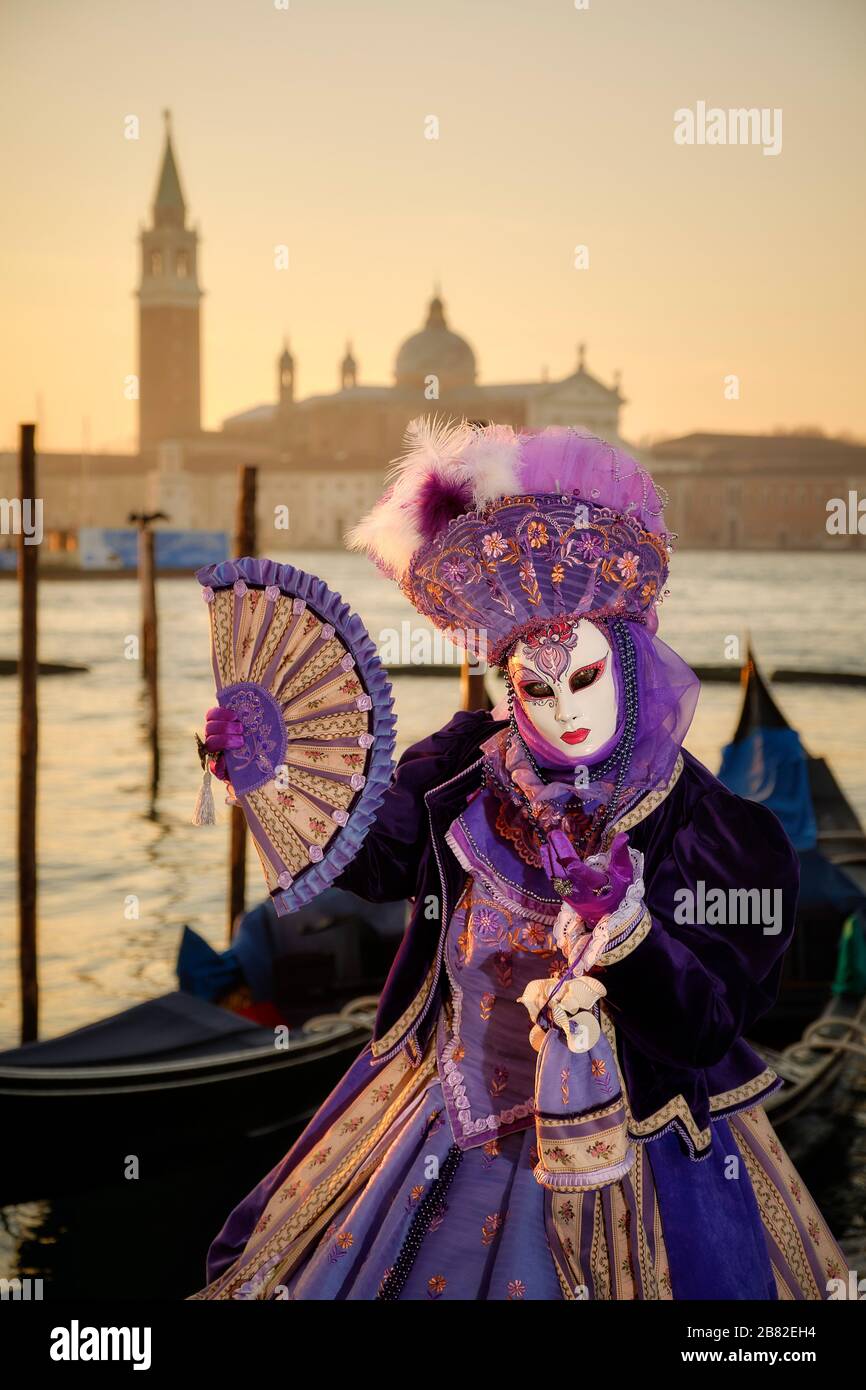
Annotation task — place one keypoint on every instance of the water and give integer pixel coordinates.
(106, 854)
(102, 845)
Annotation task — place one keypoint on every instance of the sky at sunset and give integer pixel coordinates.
(306, 126)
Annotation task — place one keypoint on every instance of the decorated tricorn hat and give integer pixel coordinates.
(491, 534)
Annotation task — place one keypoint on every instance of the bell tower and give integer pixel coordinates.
(168, 315)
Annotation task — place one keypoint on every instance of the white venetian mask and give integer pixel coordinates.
(563, 680)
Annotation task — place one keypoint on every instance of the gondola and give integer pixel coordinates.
(252, 1041)
(200, 1066)
(818, 1021)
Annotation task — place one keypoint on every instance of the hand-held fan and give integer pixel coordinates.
(304, 676)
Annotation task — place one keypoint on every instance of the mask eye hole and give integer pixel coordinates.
(536, 690)
(586, 676)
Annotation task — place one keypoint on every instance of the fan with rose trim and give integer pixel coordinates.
(303, 674)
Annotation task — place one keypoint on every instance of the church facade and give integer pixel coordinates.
(321, 460)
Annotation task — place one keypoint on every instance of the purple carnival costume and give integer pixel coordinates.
(558, 1100)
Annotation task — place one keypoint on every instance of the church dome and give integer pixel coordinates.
(435, 351)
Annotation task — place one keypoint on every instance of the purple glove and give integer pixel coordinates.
(223, 729)
(595, 891)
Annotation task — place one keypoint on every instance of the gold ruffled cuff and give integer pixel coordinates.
(627, 938)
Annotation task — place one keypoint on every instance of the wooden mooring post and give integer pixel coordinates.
(473, 691)
(244, 544)
(28, 737)
(149, 632)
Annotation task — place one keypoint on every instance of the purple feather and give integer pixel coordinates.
(438, 501)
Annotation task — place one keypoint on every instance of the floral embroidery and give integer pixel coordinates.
(592, 547)
(529, 583)
(454, 571)
(498, 1081)
(343, 1243)
(486, 925)
(814, 1230)
(796, 1192)
(319, 1158)
(436, 1286)
(438, 1217)
(503, 967)
(349, 1126)
(493, 545)
(490, 1150)
(556, 1154)
(491, 1228)
(515, 1288)
(435, 1121)
(486, 1006)
(381, 1093)
(600, 1149)
(415, 1195)
(599, 1073)
(537, 535)
(265, 1221)
(649, 590)
(628, 564)
(533, 936)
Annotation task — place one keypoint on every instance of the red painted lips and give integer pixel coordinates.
(575, 736)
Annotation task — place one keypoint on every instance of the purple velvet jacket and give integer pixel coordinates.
(681, 998)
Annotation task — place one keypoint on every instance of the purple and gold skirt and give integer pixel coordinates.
(384, 1205)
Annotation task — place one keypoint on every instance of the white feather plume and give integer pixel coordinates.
(432, 442)
(453, 450)
(490, 461)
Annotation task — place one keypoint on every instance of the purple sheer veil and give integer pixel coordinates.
(667, 694)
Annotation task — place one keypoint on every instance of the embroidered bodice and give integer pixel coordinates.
(486, 1062)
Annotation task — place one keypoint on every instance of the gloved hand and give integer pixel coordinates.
(598, 884)
(223, 729)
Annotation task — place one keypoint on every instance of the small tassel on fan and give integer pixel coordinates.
(204, 813)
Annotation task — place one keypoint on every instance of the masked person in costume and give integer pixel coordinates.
(558, 1100)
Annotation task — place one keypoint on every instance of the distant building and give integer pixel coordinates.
(169, 330)
(758, 491)
(322, 460)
